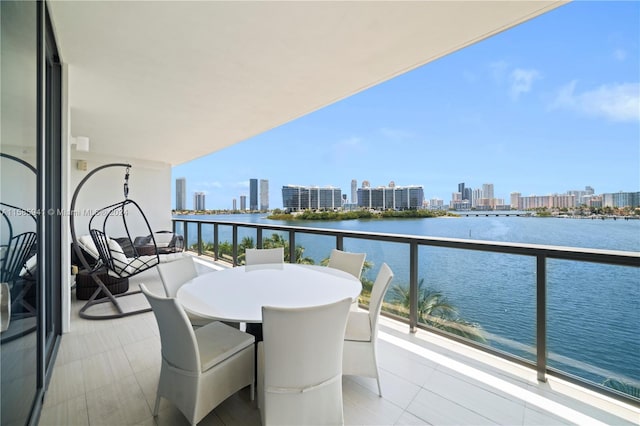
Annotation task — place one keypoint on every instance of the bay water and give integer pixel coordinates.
(593, 310)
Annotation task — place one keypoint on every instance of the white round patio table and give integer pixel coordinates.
(238, 294)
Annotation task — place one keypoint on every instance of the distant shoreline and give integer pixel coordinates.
(392, 214)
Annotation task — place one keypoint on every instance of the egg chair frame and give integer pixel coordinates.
(112, 260)
(13, 264)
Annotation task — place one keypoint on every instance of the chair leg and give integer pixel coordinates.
(375, 363)
(156, 408)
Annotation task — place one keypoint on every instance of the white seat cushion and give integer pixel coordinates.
(29, 266)
(358, 327)
(86, 242)
(120, 260)
(163, 239)
(217, 342)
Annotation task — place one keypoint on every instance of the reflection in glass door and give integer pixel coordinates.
(30, 201)
(19, 198)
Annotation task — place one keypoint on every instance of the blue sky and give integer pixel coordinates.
(549, 106)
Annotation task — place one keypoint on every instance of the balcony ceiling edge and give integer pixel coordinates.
(174, 81)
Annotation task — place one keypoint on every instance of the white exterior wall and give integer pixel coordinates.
(149, 186)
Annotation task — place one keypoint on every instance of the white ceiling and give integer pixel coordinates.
(172, 81)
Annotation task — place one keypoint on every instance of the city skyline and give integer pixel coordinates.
(547, 107)
(482, 197)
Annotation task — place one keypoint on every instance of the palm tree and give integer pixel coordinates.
(245, 243)
(277, 240)
(621, 386)
(367, 284)
(435, 310)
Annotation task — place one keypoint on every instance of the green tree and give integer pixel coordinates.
(623, 387)
(367, 284)
(277, 240)
(435, 310)
(245, 243)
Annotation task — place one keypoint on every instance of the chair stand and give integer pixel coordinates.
(110, 297)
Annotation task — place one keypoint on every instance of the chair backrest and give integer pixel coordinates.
(263, 256)
(302, 351)
(179, 344)
(348, 262)
(15, 256)
(380, 286)
(174, 274)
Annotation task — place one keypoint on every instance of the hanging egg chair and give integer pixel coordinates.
(111, 242)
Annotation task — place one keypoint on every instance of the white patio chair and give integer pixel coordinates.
(200, 368)
(173, 275)
(359, 357)
(300, 364)
(351, 263)
(263, 256)
(348, 262)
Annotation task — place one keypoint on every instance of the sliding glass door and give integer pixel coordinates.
(30, 185)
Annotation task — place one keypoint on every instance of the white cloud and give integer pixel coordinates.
(615, 102)
(620, 54)
(498, 70)
(345, 150)
(522, 81)
(396, 133)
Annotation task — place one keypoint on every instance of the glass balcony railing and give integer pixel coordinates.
(563, 311)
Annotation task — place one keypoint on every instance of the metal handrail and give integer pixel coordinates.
(538, 251)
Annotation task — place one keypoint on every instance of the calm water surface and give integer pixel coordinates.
(593, 310)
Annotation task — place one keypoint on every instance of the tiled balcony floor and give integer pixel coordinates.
(106, 373)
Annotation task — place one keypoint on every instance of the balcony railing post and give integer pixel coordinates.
(541, 317)
(199, 238)
(259, 237)
(185, 228)
(235, 244)
(215, 241)
(413, 286)
(339, 242)
(292, 247)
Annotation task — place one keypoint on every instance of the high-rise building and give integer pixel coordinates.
(354, 191)
(243, 202)
(465, 192)
(235, 204)
(436, 204)
(581, 196)
(476, 196)
(198, 201)
(311, 198)
(264, 194)
(548, 201)
(253, 194)
(515, 199)
(621, 199)
(487, 191)
(181, 194)
(394, 197)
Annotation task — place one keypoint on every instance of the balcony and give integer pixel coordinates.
(150, 86)
(106, 371)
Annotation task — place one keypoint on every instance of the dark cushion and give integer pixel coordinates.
(127, 247)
